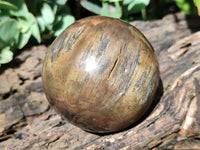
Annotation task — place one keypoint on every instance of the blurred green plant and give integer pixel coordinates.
(52, 16)
(197, 3)
(187, 6)
(18, 23)
(117, 8)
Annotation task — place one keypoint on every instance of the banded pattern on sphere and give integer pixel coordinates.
(101, 74)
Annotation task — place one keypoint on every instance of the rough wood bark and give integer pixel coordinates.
(172, 122)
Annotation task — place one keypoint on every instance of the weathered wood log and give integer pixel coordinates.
(172, 122)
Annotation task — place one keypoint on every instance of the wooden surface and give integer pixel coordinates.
(27, 121)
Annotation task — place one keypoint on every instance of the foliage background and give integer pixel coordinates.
(29, 22)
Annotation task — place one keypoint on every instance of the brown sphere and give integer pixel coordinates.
(100, 74)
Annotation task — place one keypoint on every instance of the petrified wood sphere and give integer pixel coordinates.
(100, 74)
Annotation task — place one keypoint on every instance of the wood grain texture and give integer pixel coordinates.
(101, 74)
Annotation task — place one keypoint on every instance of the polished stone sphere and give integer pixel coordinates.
(100, 74)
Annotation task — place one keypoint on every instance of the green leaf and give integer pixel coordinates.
(91, 6)
(49, 27)
(41, 24)
(57, 19)
(111, 1)
(197, 2)
(3, 43)
(118, 11)
(29, 25)
(7, 5)
(61, 2)
(186, 6)
(6, 55)
(105, 10)
(137, 5)
(22, 9)
(125, 2)
(62, 20)
(23, 39)
(64, 23)
(3, 17)
(9, 30)
(110, 11)
(55, 9)
(47, 14)
(23, 25)
(34, 27)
